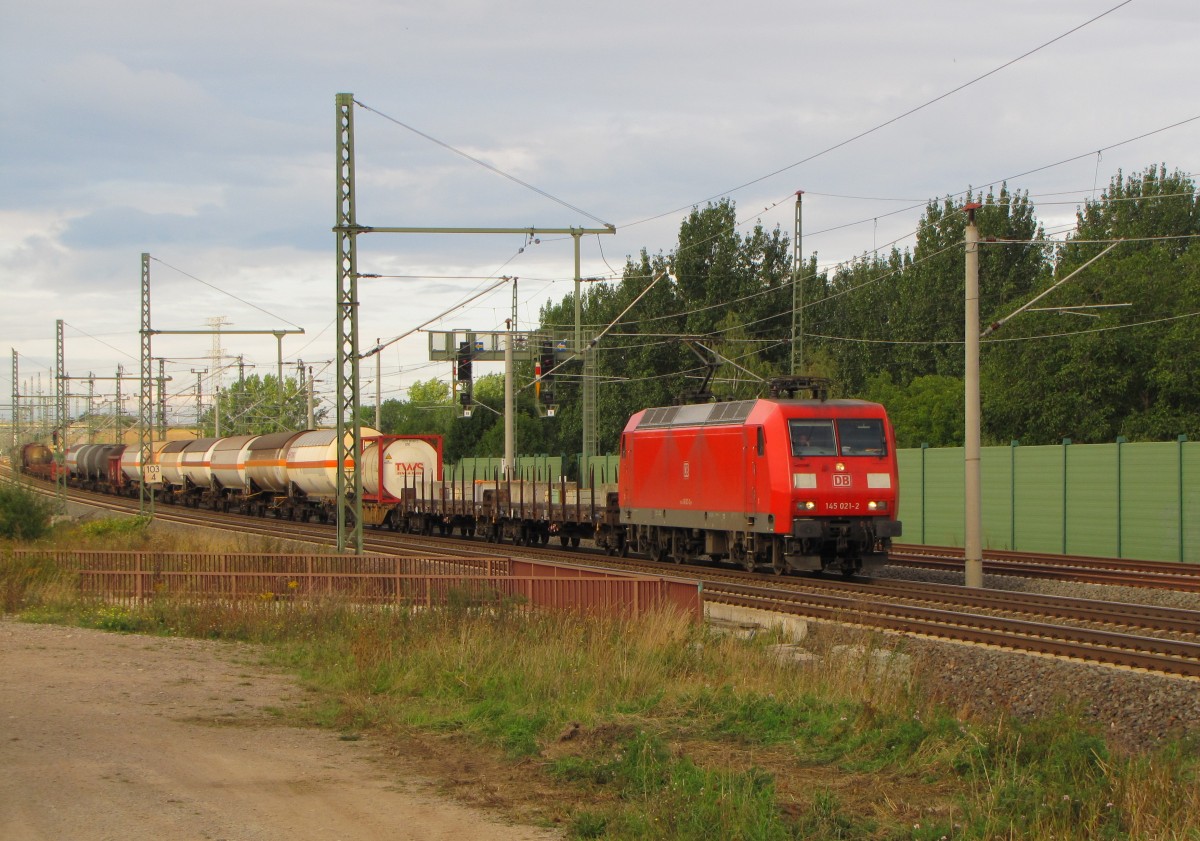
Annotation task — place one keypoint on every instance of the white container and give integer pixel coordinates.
(407, 463)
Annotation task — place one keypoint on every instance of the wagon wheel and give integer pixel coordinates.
(658, 547)
(778, 563)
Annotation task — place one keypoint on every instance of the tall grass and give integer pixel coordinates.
(657, 728)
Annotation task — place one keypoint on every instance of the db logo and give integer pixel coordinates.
(841, 480)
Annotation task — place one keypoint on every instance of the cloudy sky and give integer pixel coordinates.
(204, 134)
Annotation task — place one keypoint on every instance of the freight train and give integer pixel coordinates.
(789, 485)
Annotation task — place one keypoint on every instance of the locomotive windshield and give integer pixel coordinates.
(812, 437)
(861, 437)
(855, 437)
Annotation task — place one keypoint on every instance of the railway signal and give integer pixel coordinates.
(545, 382)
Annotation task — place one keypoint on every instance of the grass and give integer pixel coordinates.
(660, 729)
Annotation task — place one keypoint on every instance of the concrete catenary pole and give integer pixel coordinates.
(973, 492)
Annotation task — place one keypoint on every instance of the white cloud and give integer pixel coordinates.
(204, 135)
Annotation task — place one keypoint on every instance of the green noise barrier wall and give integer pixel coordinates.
(1114, 500)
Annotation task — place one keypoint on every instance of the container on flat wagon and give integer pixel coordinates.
(408, 463)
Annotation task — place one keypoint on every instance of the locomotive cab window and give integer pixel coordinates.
(862, 437)
(812, 437)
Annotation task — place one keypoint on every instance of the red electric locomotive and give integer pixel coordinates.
(805, 485)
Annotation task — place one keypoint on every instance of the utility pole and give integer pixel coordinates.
(349, 426)
(972, 543)
(199, 372)
(118, 437)
(311, 409)
(797, 355)
(510, 435)
(162, 399)
(16, 400)
(347, 230)
(378, 388)
(214, 379)
(91, 409)
(145, 399)
(61, 421)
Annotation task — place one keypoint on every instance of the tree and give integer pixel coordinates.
(258, 405)
(1113, 370)
(928, 410)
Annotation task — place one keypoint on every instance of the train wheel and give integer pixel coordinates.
(657, 546)
(575, 542)
(564, 540)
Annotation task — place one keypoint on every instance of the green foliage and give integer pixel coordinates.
(929, 410)
(116, 527)
(887, 327)
(260, 405)
(24, 515)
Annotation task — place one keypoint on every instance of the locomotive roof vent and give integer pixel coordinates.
(698, 414)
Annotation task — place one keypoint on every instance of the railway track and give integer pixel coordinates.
(1136, 636)
(1091, 570)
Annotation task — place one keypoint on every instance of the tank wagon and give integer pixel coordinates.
(95, 467)
(788, 485)
(37, 460)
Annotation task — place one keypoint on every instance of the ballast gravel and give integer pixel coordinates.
(1136, 710)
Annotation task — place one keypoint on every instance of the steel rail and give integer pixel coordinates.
(1149, 574)
(1108, 647)
(868, 604)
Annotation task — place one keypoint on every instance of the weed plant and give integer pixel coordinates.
(658, 728)
(24, 515)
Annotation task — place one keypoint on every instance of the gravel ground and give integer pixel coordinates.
(1137, 710)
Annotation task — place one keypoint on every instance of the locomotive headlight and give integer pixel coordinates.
(839, 467)
(806, 506)
(877, 506)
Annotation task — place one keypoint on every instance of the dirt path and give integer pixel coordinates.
(109, 736)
